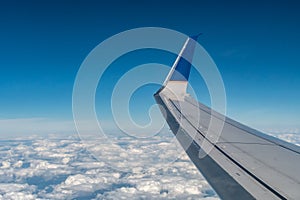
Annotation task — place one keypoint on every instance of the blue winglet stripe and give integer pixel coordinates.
(183, 68)
(182, 71)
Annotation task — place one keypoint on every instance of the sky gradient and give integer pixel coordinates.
(255, 45)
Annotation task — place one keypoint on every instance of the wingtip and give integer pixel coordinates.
(195, 37)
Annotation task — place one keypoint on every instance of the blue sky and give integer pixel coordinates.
(255, 45)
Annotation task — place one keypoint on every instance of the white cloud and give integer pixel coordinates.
(51, 168)
(17, 191)
(19, 196)
(5, 165)
(64, 169)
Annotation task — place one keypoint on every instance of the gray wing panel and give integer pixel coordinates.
(263, 166)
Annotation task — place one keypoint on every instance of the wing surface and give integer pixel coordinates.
(240, 163)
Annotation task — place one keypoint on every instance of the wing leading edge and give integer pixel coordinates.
(243, 163)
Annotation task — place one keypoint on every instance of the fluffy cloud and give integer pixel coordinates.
(52, 168)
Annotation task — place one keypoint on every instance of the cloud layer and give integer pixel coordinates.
(55, 168)
(51, 168)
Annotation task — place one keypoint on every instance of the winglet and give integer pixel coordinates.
(180, 70)
(178, 76)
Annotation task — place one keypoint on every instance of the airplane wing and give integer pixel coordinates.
(242, 163)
